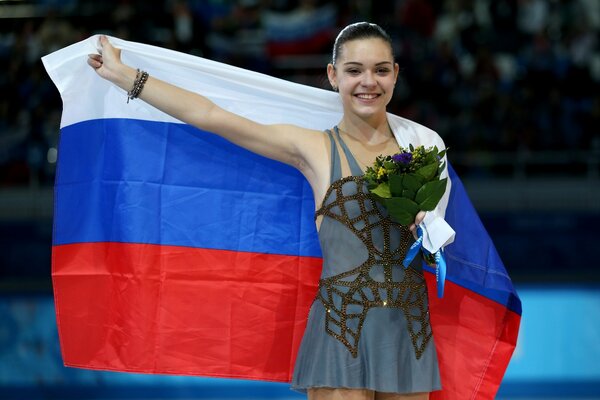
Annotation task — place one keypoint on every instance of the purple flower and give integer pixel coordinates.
(402, 158)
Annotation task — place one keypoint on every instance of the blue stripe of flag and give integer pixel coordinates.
(472, 259)
(114, 174)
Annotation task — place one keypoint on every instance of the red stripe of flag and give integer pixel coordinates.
(475, 338)
(170, 309)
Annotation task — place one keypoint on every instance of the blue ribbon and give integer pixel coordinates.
(440, 261)
(414, 249)
(440, 271)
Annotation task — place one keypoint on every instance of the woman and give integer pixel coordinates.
(368, 333)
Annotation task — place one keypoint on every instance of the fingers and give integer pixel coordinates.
(108, 51)
(94, 60)
(105, 44)
(413, 230)
(103, 41)
(420, 217)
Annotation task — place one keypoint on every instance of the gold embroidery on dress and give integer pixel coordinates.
(356, 290)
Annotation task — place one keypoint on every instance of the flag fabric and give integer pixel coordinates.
(177, 252)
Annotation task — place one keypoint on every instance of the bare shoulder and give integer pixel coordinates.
(305, 134)
(311, 145)
(301, 132)
(312, 149)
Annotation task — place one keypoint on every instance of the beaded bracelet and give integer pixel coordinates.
(138, 84)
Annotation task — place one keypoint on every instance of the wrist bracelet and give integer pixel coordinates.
(138, 84)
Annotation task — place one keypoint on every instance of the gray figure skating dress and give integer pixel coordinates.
(369, 325)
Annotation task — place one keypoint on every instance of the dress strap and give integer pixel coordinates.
(336, 164)
(355, 169)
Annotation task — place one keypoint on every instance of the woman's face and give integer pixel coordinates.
(365, 74)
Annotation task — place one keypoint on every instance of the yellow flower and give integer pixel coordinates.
(380, 172)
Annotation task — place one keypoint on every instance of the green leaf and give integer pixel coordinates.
(389, 165)
(382, 190)
(430, 194)
(409, 194)
(402, 210)
(442, 153)
(441, 168)
(396, 184)
(410, 146)
(428, 171)
(412, 182)
(371, 185)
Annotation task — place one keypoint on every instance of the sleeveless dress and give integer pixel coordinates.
(368, 327)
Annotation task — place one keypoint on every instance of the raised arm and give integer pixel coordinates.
(287, 143)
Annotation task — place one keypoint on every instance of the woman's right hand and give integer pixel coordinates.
(107, 64)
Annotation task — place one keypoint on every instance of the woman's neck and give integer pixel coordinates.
(371, 132)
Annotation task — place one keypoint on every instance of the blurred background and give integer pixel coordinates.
(512, 86)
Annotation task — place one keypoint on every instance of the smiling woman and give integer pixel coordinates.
(378, 342)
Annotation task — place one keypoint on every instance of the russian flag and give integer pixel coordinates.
(301, 31)
(177, 252)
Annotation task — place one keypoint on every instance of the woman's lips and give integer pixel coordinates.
(367, 96)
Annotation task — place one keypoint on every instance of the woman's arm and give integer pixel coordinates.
(287, 143)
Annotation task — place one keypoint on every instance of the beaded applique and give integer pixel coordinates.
(355, 291)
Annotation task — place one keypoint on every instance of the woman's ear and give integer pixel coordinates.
(396, 71)
(332, 76)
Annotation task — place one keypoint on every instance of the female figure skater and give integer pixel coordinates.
(368, 334)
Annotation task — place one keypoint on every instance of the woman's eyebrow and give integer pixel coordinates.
(359, 63)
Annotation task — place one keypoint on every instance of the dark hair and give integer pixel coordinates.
(359, 30)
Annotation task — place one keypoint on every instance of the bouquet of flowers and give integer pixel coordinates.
(408, 181)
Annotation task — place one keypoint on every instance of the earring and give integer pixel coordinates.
(334, 87)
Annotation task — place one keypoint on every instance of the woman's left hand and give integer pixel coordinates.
(418, 219)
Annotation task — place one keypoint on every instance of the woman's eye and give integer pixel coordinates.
(353, 71)
(383, 71)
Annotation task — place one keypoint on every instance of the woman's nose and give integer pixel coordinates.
(368, 79)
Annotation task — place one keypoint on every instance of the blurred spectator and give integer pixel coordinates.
(486, 74)
(236, 35)
(532, 16)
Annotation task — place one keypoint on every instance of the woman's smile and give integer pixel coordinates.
(367, 96)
